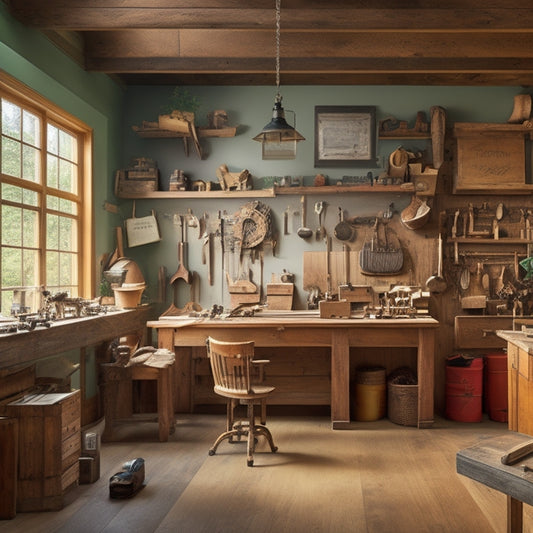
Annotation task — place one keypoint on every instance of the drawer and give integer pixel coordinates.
(480, 331)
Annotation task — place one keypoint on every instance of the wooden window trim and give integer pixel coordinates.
(22, 94)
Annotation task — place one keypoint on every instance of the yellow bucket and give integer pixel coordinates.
(370, 395)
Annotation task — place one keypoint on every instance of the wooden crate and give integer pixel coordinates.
(49, 446)
(124, 183)
(280, 296)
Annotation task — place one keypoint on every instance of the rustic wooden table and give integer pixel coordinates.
(483, 463)
(295, 330)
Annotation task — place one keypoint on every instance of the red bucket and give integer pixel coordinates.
(464, 391)
(496, 400)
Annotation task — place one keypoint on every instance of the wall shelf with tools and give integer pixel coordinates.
(269, 193)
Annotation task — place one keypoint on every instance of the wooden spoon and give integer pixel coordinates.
(303, 231)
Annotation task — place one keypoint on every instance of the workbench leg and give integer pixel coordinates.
(340, 379)
(164, 401)
(426, 377)
(514, 515)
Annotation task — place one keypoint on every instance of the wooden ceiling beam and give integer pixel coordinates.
(229, 44)
(296, 15)
(310, 66)
(509, 79)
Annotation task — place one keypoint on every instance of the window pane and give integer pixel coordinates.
(52, 202)
(52, 232)
(5, 304)
(31, 129)
(11, 157)
(66, 206)
(11, 267)
(66, 270)
(30, 229)
(10, 119)
(31, 158)
(67, 176)
(11, 225)
(66, 240)
(30, 197)
(30, 261)
(52, 139)
(52, 171)
(11, 193)
(52, 269)
(68, 146)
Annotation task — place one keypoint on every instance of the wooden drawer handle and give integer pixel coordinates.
(488, 332)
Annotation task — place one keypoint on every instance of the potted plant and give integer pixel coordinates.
(178, 112)
(107, 295)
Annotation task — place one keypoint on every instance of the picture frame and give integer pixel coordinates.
(345, 136)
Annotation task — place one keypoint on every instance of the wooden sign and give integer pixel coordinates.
(491, 160)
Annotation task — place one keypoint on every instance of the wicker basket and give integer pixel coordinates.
(402, 407)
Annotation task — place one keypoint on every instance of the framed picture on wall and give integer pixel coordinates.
(345, 136)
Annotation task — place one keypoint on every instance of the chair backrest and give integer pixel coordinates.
(231, 364)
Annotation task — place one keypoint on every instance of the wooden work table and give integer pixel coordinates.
(299, 330)
(29, 346)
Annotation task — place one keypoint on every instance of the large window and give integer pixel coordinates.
(44, 201)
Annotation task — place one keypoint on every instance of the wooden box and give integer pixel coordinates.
(49, 445)
(340, 309)
(280, 295)
(136, 184)
(356, 293)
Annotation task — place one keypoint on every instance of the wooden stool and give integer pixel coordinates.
(118, 391)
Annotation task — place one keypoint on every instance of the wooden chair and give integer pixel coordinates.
(231, 365)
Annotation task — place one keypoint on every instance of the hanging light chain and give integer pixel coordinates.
(278, 31)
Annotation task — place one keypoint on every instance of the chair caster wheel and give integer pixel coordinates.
(275, 449)
(250, 462)
(211, 452)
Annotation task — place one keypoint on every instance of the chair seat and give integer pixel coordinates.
(258, 392)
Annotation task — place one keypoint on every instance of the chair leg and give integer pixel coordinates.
(251, 435)
(237, 432)
(263, 412)
(262, 430)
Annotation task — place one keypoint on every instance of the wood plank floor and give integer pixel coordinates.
(376, 477)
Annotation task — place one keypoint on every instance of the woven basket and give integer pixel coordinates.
(402, 407)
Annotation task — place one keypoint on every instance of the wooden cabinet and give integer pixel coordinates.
(479, 332)
(49, 446)
(520, 380)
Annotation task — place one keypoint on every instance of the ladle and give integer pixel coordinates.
(304, 232)
(437, 283)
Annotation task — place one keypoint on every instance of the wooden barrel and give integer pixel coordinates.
(370, 394)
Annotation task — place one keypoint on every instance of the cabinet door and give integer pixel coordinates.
(512, 382)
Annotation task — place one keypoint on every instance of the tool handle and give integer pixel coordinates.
(517, 453)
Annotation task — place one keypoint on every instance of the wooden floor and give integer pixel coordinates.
(376, 477)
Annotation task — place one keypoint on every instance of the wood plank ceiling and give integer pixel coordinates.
(323, 42)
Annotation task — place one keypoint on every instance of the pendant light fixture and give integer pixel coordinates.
(278, 137)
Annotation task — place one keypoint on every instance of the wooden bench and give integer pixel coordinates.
(118, 396)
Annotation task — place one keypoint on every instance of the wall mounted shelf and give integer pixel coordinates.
(268, 193)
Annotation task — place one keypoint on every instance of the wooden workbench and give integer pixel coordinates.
(482, 462)
(297, 330)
